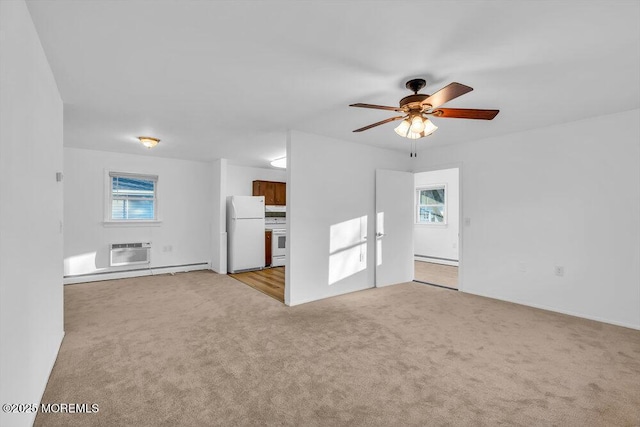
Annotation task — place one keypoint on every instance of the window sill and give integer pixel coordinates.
(132, 223)
(438, 225)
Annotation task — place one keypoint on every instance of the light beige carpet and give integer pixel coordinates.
(201, 349)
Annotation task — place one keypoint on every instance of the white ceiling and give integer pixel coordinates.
(227, 78)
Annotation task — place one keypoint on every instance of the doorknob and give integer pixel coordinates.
(379, 234)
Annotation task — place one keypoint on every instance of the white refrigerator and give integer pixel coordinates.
(245, 233)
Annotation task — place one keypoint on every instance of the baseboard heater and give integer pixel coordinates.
(133, 272)
(129, 254)
(436, 260)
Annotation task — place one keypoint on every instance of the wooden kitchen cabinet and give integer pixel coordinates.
(267, 247)
(275, 193)
(280, 193)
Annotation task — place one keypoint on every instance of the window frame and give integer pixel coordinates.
(109, 220)
(444, 205)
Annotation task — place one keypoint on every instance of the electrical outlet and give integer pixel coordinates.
(467, 222)
(559, 270)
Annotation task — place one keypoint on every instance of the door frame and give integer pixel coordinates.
(459, 166)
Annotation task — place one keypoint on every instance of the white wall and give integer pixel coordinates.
(184, 207)
(566, 195)
(31, 303)
(219, 216)
(330, 183)
(435, 240)
(240, 178)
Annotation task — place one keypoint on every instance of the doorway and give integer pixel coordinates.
(436, 227)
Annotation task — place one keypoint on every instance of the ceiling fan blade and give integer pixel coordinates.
(446, 94)
(392, 119)
(466, 113)
(377, 107)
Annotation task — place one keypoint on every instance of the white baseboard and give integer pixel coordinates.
(555, 310)
(69, 280)
(308, 300)
(436, 260)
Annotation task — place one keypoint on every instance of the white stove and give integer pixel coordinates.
(278, 227)
(274, 223)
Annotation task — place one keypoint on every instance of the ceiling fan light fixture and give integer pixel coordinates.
(403, 128)
(417, 124)
(280, 163)
(148, 141)
(429, 127)
(415, 128)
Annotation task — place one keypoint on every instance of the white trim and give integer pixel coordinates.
(149, 177)
(432, 224)
(445, 219)
(420, 258)
(308, 300)
(108, 197)
(555, 310)
(70, 280)
(133, 223)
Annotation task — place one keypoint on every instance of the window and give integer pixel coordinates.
(132, 197)
(431, 205)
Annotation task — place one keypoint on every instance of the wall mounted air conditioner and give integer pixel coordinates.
(129, 254)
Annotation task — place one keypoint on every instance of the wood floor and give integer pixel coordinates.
(436, 274)
(269, 281)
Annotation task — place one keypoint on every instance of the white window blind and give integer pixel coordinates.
(133, 197)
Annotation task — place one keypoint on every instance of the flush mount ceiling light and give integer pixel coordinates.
(280, 163)
(148, 141)
(416, 107)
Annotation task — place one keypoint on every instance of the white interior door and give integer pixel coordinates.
(394, 227)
